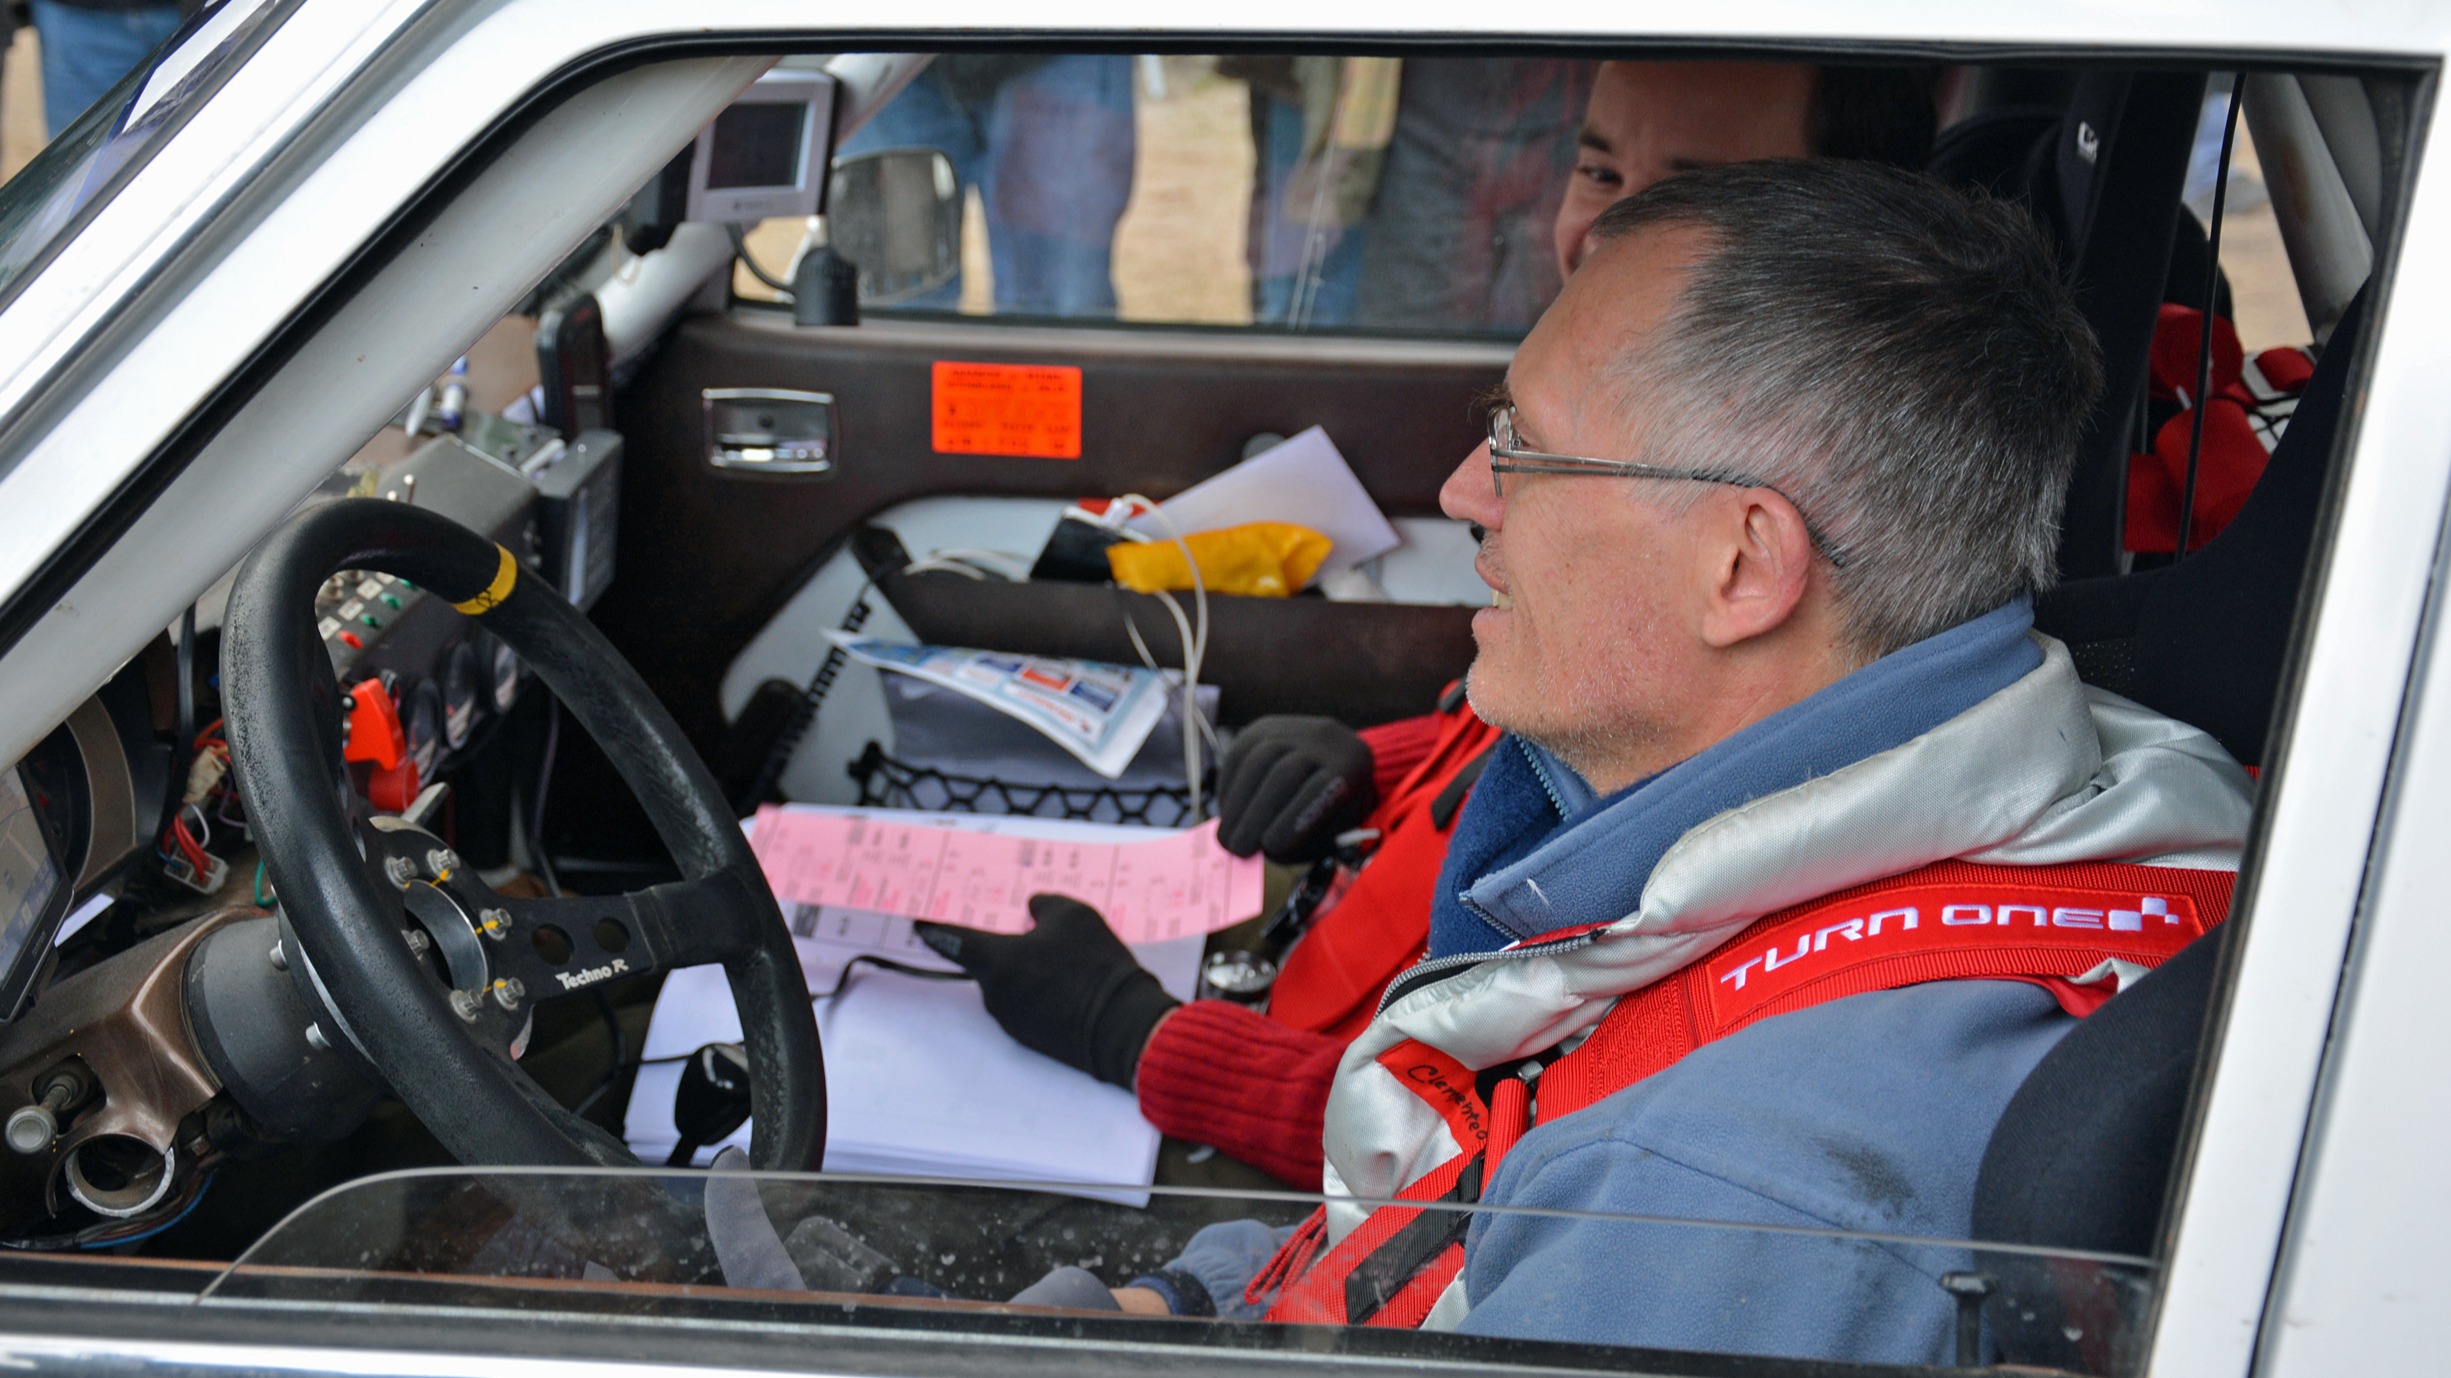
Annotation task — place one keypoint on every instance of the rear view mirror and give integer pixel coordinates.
(897, 215)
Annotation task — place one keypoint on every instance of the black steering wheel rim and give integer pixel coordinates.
(283, 710)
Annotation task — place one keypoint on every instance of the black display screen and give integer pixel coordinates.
(756, 146)
(29, 875)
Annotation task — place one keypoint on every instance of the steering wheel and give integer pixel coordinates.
(428, 972)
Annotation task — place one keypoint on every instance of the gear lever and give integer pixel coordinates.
(713, 1099)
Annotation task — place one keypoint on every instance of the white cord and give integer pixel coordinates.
(932, 565)
(1193, 632)
(1195, 649)
(999, 562)
(972, 564)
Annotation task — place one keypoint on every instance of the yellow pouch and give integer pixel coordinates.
(1256, 559)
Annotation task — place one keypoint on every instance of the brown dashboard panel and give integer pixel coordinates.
(123, 1025)
(707, 555)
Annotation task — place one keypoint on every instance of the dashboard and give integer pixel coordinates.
(129, 792)
(552, 503)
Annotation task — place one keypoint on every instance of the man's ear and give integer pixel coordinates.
(1760, 557)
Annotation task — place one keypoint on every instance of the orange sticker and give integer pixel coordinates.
(1007, 409)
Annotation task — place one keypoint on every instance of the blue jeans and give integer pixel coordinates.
(86, 52)
(1051, 155)
(1281, 239)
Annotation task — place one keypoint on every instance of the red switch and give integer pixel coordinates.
(374, 727)
(392, 789)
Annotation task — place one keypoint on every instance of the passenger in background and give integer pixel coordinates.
(1454, 240)
(1649, 121)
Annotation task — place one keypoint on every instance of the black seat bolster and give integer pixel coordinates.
(2081, 1159)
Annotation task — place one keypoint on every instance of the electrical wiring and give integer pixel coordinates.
(1195, 647)
(614, 1075)
(536, 812)
(740, 247)
(204, 828)
(1004, 563)
(207, 782)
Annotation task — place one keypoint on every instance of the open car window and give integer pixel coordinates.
(1278, 191)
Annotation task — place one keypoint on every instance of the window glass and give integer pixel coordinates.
(1423, 195)
(1293, 192)
(986, 1259)
(92, 157)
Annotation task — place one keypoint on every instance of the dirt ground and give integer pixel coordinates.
(1179, 248)
(21, 104)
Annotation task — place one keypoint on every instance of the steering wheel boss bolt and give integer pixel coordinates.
(280, 956)
(316, 1040)
(441, 862)
(466, 1005)
(494, 923)
(509, 991)
(401, 870)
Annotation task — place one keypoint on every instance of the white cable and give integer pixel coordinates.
(1001, 562)
(1195, 649)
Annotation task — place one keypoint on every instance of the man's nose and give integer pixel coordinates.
(1469, 495)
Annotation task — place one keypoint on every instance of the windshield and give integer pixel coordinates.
(801, 1252)
(59, 190)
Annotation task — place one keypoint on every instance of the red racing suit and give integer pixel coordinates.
(1256, 1085)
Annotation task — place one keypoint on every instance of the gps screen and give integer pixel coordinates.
(28, 875)
(757, 145)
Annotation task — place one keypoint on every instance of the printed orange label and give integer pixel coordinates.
(1007, 409)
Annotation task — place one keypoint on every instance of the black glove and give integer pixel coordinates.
(1067, 988)
(1290, 785)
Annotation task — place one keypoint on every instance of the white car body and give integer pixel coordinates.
(2310, 1241)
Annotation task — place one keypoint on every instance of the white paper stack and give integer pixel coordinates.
(919, 1078)
(1304, 480)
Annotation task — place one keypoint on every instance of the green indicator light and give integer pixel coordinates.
(391, 599)
(371, 620)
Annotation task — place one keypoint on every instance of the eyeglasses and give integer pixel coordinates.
(1506, 456)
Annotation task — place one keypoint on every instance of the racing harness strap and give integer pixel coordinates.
(2079, 931)
(1332, 978)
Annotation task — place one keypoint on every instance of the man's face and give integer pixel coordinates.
(1649, 121)
(1585, 648)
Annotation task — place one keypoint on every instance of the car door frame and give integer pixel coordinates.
(169, 357)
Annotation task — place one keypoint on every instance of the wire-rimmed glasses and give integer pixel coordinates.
(1508, 456)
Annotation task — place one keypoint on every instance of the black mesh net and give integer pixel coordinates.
(888, 783)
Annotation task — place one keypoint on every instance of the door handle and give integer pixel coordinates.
(770, 431)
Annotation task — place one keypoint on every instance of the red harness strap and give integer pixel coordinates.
(1332, 978)
(1954, 920)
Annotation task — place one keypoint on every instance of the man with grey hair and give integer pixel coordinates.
(1802, 848)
